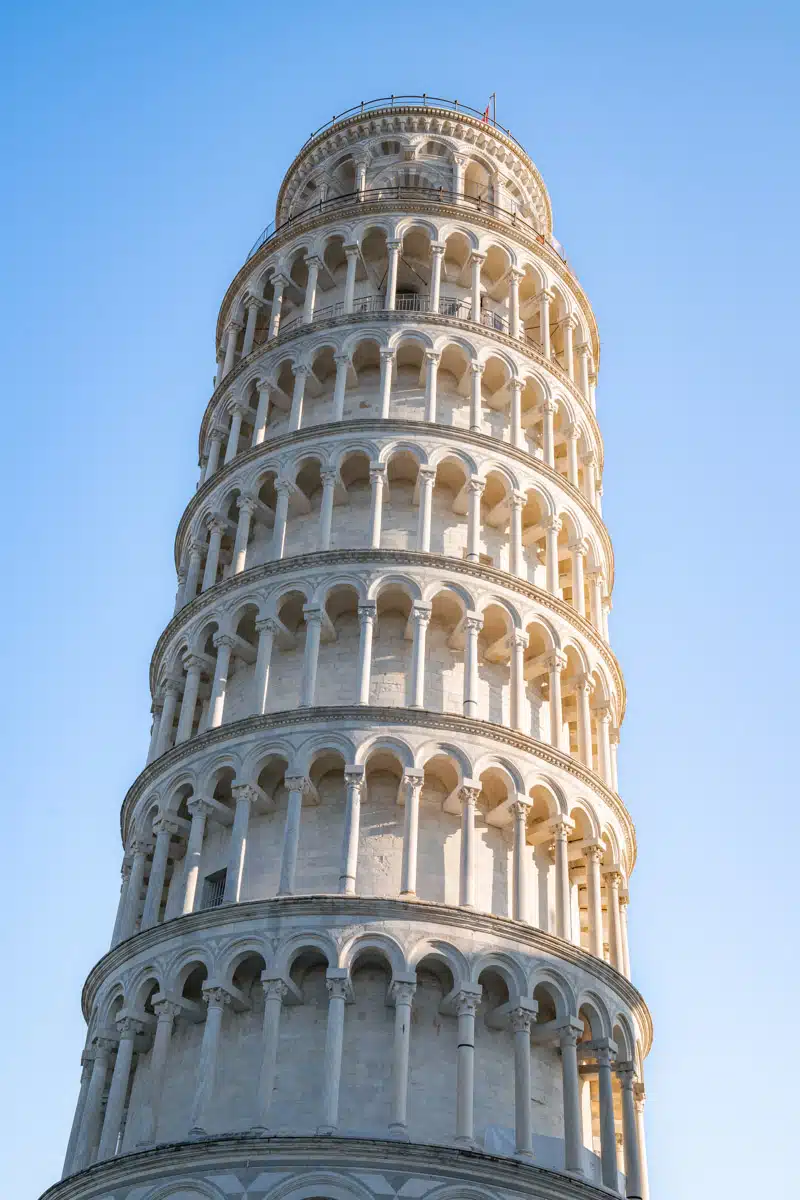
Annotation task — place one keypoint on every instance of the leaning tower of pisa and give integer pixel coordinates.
(371, 939)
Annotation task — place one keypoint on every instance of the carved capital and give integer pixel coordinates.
(217, 997)
(199, 807)
(167, 1010)
(274, 989)
(467, 1004)
(520, 1020)
(337, 988)
(129, 1027)
(557, 661)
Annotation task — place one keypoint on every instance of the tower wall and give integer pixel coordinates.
(372, 930)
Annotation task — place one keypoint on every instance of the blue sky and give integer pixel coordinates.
(143, 145)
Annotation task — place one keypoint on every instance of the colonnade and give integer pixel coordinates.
(202, 567)
(97, 1131)
(575, 864)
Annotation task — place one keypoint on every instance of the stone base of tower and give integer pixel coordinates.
(345, 1168)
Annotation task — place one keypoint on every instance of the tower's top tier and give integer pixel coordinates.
(416, 142)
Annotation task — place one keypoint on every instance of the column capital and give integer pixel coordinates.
(394, 244)
(216, 433)
(584, 682)
(387, 353)
(250, 792)
(377, 471)
(545, 296)
(313, 260)
(583, 350)
(297, 783)
(342, 360)
(521, 1019)
(438, 249)
(166, 1009)
(572, 432)
(246, 502)
(421, 613)
(548, 406)
(235, 323)
(401, 991)
(557, 661)
(519, 639)
(268, 625)
(313, 612)
(200, 807)
(217, 997)
(224, 639)
(517, 500)
(578, 547)
(515, 385)
(477, 257)
(427, 473)
(103, 1046)
(476, 485)
(368, 611)
(338, 988)
(520, 807)
(413, 778)
(239, 408)
(166, 825)
(515, 274)
(302, 371)
(561, 827)
(476, 368)
(569, 1034)
(172, 688)
(614, 878)
(433, 356)
(354, 776)
(274, 987)
(468, 793)
(467, 1000)
(473, 622)
(217, 523)
(264, 385)
(593, 852)
(329, 478)
(141, 845)
(129, 1027)
(570, 321)
(626, 1074)
(552, 524)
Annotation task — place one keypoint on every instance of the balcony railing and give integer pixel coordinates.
(403, 192)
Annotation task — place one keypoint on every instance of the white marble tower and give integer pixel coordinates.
(372, 938)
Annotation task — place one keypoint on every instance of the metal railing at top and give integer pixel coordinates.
(401, 192)
(423, 101)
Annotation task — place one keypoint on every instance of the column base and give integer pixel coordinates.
(524, 1156)
(465, 1143)
(326, 1130)
(399, 1132)
(196, 1132)
(259, 1131)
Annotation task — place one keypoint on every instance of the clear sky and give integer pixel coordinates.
(142, 147)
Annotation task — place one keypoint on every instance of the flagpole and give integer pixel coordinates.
(493, 99)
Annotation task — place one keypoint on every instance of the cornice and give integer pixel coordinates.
(474, 1170)
(507, 231)
(401, 318)
(394, 558)
(363, 909)
(388, 426)
(372, 716)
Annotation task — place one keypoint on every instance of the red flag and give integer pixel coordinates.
(486, 114)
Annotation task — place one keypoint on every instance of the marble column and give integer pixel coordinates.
(354, 784)
(630, 1133)
(556, 663)
(238, 412)
(340, 386)
(262, 412)
(402, 993)
(217, 1000)
(224, 644)
(164, 830)
(337, 985)
(475, 397)
(427, 482)
(216, 528)
(387, 364)
(296, 786)
(313, 616)
(432, 360)
(352, 253)
(245, 795)
(167, 1011)
(283, 489)
(420, 618)
(468, 796)
(77, 1120)
(274, 992)
(279, 284)
(267, 629)
(520, 1020)
(475, 489)
(561, 832)
(128, 1028)
(89, 1134)
(552, 526)
(519, 900)
(467, 1002)
(393, 248)
(194, 664)
(247, 506)
(366, 620)
(571, 1090)
(301, 374)
(608, 1135)
(412, 781)
(520, 718)
(472, 627)
(200, 810)
(377, 477)
(593, 854)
